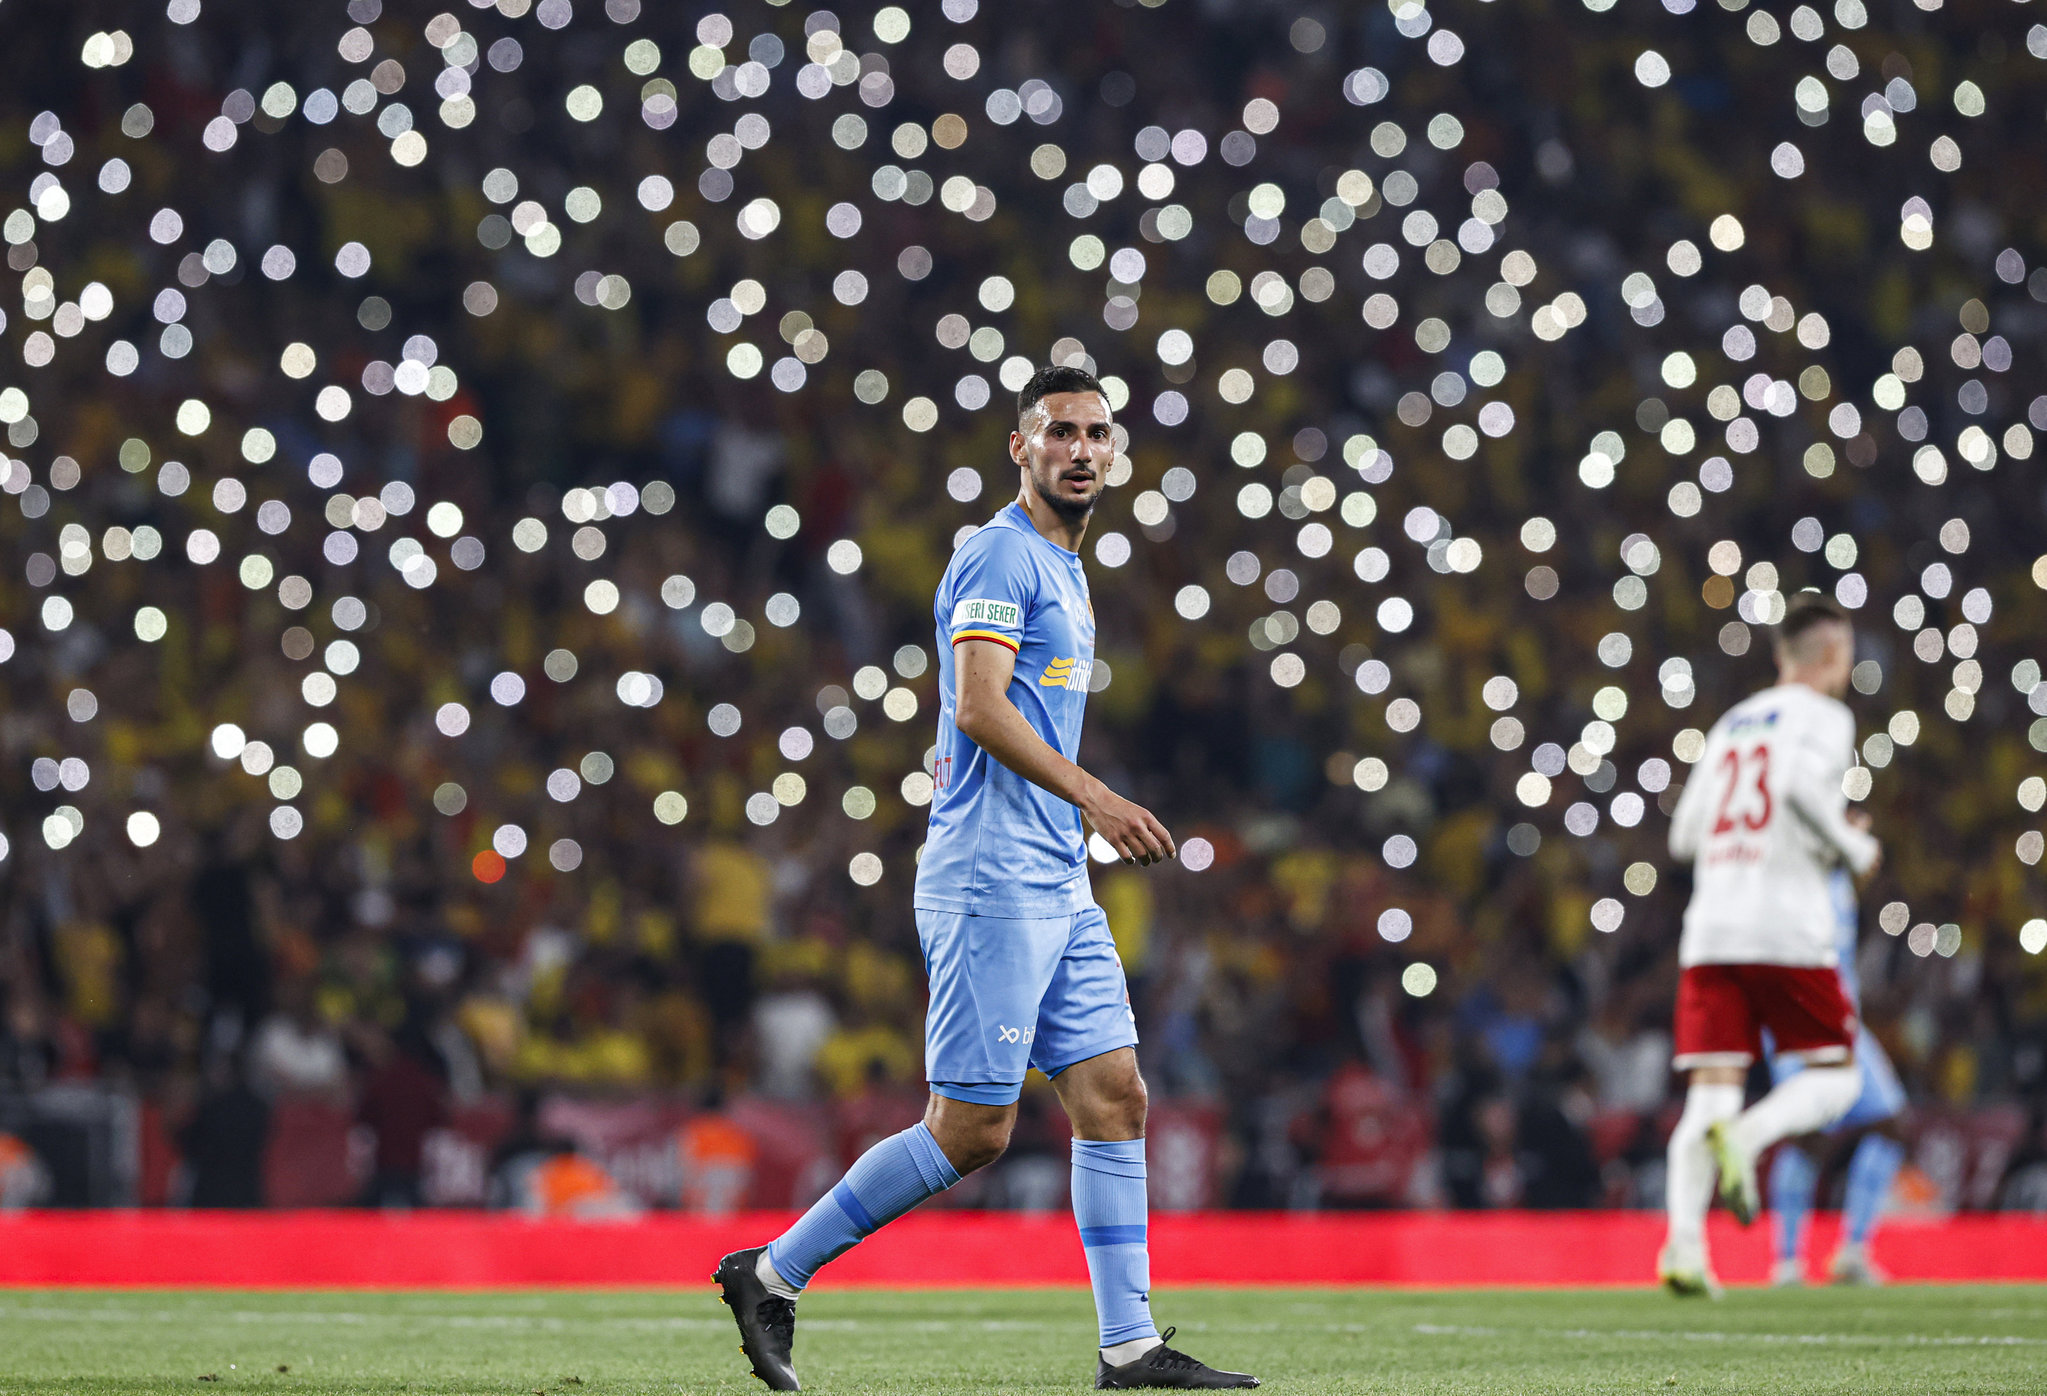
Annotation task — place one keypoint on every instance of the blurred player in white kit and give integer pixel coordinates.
(1765, 824)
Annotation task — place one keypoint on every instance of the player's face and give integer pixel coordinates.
(1065, 446)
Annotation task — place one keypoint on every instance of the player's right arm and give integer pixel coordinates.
(985, 716)
(1823, 748)
(1688, 821)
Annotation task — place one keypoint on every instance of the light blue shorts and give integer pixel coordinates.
(1882, 1097)
(1007, 995)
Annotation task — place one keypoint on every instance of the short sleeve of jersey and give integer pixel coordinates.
(992, 590)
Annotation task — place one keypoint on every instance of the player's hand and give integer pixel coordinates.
(1128, 827)
(1860, 819)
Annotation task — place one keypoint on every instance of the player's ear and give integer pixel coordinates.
(1016, 447)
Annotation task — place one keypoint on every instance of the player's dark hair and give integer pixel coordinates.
(1055, 378)
(1804, 613)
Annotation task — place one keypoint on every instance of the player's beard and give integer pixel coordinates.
(1065, 506)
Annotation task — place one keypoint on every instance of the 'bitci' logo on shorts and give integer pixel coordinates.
(1015, 1034)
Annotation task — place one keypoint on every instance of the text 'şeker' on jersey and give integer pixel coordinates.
(1763, 821)
(999, 845)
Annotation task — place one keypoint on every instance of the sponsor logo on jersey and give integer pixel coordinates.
(983, 611)
(1007, 1034)
(1067, 673)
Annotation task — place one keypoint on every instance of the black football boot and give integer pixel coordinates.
(767, 1322)
(1163, 1366)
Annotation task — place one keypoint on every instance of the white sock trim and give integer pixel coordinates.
(1121, 1353)
(772, 1279)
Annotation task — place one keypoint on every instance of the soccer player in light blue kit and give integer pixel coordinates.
(1023, 971)
(1878, 1154)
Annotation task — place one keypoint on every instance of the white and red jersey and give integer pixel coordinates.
(1763, 821)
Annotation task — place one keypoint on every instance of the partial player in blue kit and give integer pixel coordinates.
(1794, 1176)
(1022, 967)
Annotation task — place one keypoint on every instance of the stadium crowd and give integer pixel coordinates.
(394, 1005)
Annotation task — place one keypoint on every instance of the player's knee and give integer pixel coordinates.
(1131, 1104)
(976, 1148)
(971, 1136)
(1113, 1108)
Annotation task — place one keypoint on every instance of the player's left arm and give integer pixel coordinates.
(1821, 752)
(985, 715)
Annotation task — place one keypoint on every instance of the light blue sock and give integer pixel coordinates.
(1109, 1205)
(1793, 1179)
(1877, 1160)
(883, 1183)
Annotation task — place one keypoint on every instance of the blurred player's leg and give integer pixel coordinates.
(1805, 1104)
(1870, 1174)
(1688, 1185)
(1716, 1040)
(1810, 1019)
(1878, 1156)
(1793, 1179)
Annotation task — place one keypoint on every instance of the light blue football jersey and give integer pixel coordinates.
(999, 845)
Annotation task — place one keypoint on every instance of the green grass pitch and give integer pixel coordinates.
(585, 1343)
